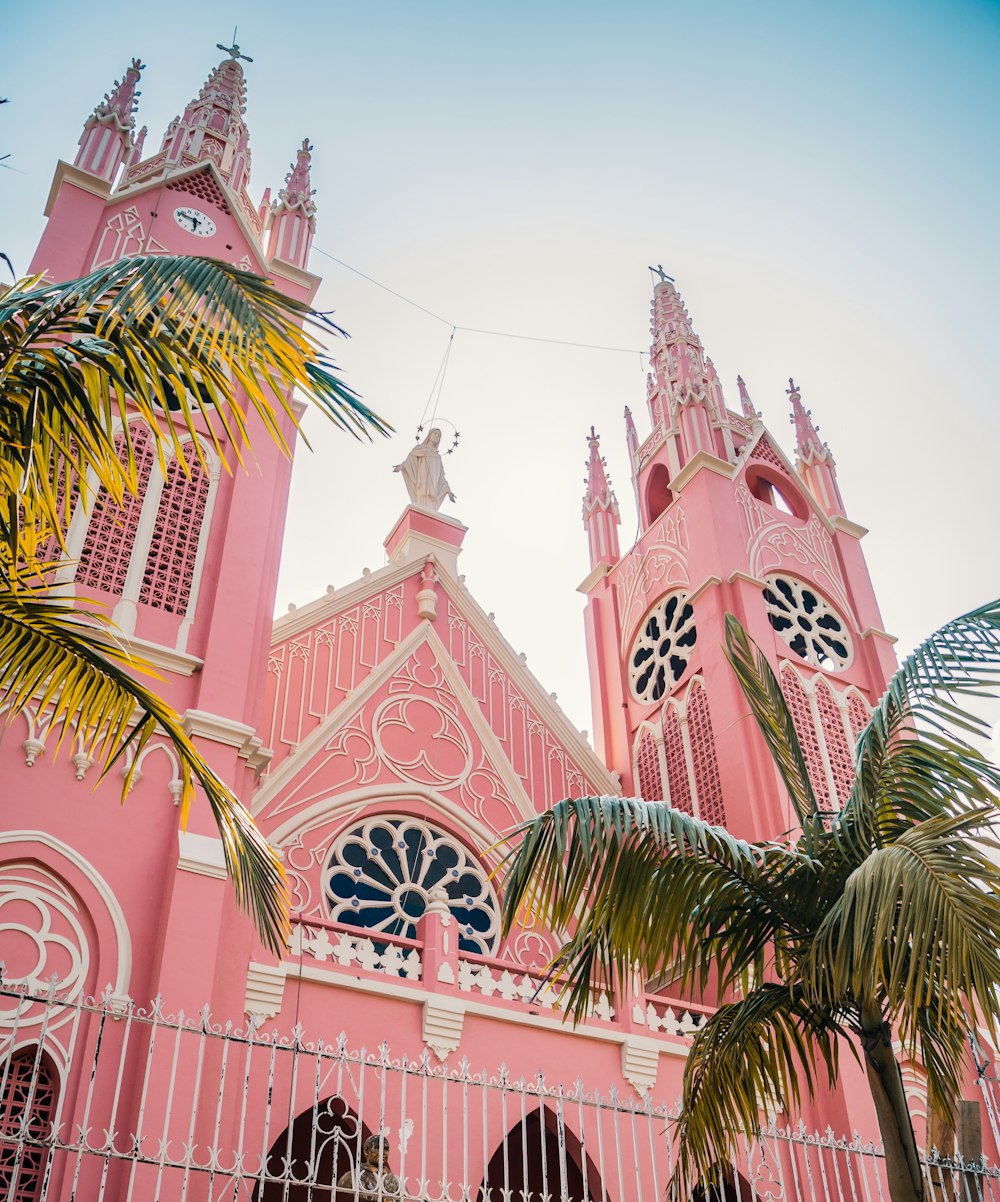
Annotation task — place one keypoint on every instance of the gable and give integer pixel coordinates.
(316, 667)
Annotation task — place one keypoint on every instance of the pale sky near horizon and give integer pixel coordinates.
(822, 181)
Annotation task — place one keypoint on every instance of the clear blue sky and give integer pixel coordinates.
(823, 181)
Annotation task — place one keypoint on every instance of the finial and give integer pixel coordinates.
(663, 277)
(792, 391)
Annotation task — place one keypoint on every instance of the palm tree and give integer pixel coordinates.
(164, 338)
(879, 922)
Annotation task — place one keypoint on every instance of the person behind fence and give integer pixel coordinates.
(375, 1180)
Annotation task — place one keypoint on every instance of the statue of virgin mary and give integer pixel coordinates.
(423, 473)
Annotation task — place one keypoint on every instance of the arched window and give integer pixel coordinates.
(658, 494)
(708, 783)
(802, 617)
(838, 750)
(677, 769)
(26, 1111)
(146, 551)
(112, 529)
(649, 778)
(805, 727)
(379, 876)
(662, 648)
(173, 548)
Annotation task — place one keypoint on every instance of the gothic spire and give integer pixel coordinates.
(600, 507)
(749, 412)
(107, 137)
(814, 460)
(294, 213)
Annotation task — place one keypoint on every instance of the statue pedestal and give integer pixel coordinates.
(420, 533)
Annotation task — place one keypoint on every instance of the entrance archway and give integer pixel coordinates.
(26, 1110)
(306, 1160)
(528, 1165)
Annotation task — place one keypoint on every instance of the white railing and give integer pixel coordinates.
(101, 1100)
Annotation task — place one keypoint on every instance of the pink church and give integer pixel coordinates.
(385, 736)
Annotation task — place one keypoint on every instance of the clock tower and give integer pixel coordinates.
(187, 568)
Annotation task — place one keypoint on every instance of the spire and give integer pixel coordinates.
(211, 127)
(749, 412)
(807, 441)
(600, 508)
(294, 213)
(814, 460)
(107, 135)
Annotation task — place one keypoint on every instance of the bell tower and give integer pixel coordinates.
(727, 524)
(188, 567)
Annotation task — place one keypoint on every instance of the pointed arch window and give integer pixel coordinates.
(27, 1108)
(150, 549)
(648, 772)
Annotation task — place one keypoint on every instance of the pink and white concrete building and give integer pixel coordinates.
(386, 736)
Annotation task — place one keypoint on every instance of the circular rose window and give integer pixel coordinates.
(807, 622)
(662, 647)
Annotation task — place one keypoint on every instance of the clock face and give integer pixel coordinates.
(195, 222)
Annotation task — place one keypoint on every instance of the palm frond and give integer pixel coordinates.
(762, 692)
(642, 885)
(166, 338)
(918, 924)
(63, 663)
(751, 1055)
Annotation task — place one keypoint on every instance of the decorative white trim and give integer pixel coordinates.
(441, 1030)
(874, 633)
(165, 659)
(86, 181)
(596, 574)
(296, 275)
(201, 854)
(701, 459)
(846, 526)
(265, 990)
(202, 724)
(640, 1063)
(115, 912)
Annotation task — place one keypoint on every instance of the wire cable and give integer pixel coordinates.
(456, 327)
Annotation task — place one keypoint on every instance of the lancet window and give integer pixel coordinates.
(27, 1107)
(149, 549)
(687, 754)
(379, 876)
(827, 724)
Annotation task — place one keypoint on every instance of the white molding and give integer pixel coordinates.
(392, 987)
(593, 577)
(296, 275)
(746, 578)
(86, 181)
(874, 633)
(701, 459)
(441, 1029)
(202, 724)
(107, 895)
(705, 585)
(164, 658)
(265, 990)
(640, 1063)
(201, 854)
(846, 526)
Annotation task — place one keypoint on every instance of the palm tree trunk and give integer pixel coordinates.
(902, 1162)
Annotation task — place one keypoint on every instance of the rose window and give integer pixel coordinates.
(380, 874)
(807, 623)
(662, 648)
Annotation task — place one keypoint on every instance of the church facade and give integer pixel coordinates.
(386, 737)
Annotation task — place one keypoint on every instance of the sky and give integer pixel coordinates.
(821, 180)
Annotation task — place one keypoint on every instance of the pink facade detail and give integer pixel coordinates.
(173, 548)
(387, 737)
(112, 529)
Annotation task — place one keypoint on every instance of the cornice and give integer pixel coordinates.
(314, 613)
(846, 526)
(296, 275)
(874, 633)
(201, 854)
(596, 574)
(86, 181)
(706, 584)
(703, 459)
(165, 659)
(202, 724)
(746, 578)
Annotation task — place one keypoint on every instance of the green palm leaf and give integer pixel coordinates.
(62, 662)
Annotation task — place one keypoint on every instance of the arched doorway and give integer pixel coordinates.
(306, 1160)
(529, 1165)
(30, 1088)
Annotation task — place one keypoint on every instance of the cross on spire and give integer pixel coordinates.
(663, 277)
(234, 50)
